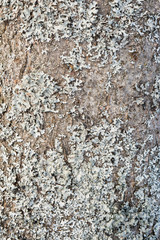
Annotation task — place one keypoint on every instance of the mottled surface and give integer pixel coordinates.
(79, 119)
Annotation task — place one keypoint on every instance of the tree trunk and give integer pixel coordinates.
(79, 119)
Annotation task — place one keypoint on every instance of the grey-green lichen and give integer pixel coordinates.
(101, 36)
(114, 192)
(35, 96)
(68, 168)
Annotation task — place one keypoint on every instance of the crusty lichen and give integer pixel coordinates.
(98, 176)
(34, 97)
(112, 192)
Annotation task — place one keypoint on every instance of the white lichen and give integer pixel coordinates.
(35, 96)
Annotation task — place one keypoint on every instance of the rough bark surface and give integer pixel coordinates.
(79, 119)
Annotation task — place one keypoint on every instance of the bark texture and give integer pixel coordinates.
(79, 119)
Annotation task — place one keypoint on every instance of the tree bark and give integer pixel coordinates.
(79, 119)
